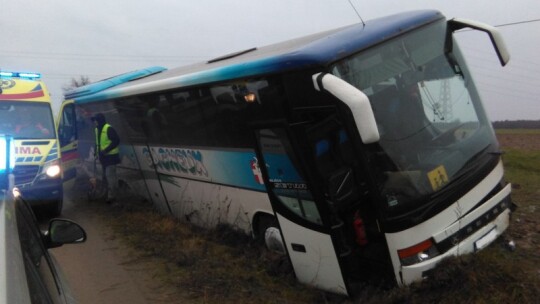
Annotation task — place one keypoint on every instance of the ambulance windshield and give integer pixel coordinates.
(26, 120)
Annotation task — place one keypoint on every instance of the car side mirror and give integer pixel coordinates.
(63, 231)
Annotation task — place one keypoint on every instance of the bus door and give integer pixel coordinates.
(309, 243)
(68, 141)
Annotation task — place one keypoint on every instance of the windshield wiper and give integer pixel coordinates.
(470, 166)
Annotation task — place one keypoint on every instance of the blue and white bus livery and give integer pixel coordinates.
(367, 146)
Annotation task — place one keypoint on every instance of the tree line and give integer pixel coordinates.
(516, 124)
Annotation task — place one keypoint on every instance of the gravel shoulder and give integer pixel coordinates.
(103, 270)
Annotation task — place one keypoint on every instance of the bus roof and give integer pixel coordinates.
(319, 49)
(111, 82)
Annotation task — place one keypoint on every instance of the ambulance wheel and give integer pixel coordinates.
(55, 208)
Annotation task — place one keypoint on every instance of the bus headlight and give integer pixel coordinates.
(418, 253)
(52, 169)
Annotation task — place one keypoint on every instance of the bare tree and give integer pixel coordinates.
(75, 83)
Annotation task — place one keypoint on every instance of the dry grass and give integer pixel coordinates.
(225, 266)
(207, 266)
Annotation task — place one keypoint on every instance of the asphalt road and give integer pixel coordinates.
(102, 270)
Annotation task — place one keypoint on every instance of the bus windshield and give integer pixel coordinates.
(428, 113)
(26, 120)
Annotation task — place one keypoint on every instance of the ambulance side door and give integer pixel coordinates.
(68, 140)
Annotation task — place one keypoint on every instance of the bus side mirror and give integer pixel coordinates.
(355, 99)
(494, 34)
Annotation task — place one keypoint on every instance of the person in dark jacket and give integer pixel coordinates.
(108, 152)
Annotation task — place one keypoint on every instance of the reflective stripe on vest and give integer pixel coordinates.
(104, 141)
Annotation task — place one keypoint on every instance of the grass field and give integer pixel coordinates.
(226, 267)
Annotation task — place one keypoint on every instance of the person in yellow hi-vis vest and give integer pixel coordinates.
(108, 152)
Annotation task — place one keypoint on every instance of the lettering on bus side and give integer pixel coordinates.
(173, 160)
(27, 150)
(287, 185)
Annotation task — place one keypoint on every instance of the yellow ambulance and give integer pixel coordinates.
(26, 116)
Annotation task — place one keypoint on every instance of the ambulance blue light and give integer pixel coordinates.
(29, 75)
(20, 75)
(7, 154)
(3, 155)
(7, 159)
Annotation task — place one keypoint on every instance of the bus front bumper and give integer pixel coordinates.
(472, 243)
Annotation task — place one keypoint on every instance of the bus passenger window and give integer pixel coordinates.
(155, 124)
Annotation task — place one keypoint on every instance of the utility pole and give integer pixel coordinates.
(445, 99)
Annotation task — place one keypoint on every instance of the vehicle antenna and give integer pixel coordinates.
(360, 17)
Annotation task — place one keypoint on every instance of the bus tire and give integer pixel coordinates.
(268, 234)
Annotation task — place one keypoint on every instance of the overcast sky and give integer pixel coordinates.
(101, 38)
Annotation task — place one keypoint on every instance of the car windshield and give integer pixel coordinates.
(428, 113)
(26, 120)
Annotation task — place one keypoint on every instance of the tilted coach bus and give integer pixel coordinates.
(26, 115)
(367, 146)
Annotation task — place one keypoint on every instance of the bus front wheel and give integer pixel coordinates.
(268, 232)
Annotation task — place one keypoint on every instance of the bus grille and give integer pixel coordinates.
(25, 173)
(481, 221)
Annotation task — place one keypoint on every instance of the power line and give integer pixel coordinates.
(503, 25)
(105, 57)
(102, 57)
(518, 22)
(119, 58)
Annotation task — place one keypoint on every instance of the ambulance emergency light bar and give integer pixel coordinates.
(7, 160)
(8, 74)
